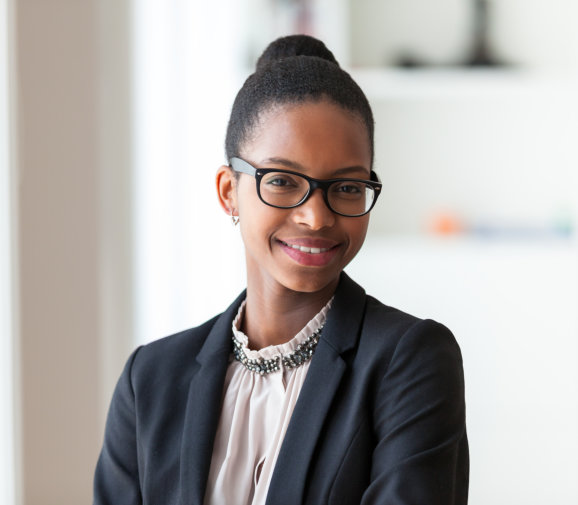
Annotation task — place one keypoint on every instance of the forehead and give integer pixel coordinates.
(313, 134)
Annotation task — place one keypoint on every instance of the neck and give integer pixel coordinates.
(274, 314)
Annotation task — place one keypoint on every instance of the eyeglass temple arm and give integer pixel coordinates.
(242, 166)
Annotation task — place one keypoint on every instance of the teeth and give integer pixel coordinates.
(310, 250)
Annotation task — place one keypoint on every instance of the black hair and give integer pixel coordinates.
(294, 70)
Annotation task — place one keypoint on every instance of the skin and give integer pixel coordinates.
(285, 288)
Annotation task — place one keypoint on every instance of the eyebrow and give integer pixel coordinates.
(293, 165)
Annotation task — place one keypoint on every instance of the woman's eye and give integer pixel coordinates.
(348, 187)
(279, 181)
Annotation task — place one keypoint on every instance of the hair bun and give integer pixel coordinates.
(295, 45)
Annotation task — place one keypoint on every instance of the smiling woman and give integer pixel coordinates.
(305, 390)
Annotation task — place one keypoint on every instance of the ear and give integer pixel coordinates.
(227, 189)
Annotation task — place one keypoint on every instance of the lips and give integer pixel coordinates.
(310, 252)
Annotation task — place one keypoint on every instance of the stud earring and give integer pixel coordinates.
(235, 219)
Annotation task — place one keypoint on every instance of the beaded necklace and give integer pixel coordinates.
(262, 366)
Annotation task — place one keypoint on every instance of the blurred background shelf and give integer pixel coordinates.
(484, 146)
(457, 83)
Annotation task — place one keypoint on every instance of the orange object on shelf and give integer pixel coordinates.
(445, 223)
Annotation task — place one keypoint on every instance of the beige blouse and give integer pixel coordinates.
(254, 418)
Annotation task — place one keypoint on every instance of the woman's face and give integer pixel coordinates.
(323, 141)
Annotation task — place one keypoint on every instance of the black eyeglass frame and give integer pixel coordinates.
(244, 167)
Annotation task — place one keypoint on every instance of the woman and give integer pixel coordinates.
(305, 390)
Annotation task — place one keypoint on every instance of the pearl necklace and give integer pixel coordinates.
(262, 366)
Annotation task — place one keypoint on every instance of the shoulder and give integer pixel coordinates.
(171, 361)
(169, 356)
(381, 331)
(183, 341)
(383, 320)
(380, 318)
(411, 360)
(394, 336)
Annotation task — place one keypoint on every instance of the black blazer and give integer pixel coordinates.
(380, 418)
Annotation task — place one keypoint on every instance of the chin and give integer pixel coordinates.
(310, 283)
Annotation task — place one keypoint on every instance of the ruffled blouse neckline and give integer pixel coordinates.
(286, 348)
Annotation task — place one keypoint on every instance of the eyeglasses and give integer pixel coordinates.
(285, 189)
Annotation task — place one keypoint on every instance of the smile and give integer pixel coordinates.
(310, 250)
(312, 254)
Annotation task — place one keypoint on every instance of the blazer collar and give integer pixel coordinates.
(340, 334)
(218, 342)
(204, 406)
(344, 318)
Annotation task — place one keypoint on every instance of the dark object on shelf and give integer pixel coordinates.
(408, 60)
(481, 55)
(481, 51)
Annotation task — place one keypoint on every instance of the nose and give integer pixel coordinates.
(314, 213)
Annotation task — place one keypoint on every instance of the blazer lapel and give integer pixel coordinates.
(339, 335)
(204, 406)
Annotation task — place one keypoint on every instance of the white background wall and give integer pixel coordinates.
(186, 72)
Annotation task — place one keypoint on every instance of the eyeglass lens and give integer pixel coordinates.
(351, 198)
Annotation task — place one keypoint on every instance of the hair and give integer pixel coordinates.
(294, 70)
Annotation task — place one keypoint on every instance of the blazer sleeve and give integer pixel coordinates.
(421, 456)
(116, 478)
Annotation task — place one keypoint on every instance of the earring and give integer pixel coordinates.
(235, 219)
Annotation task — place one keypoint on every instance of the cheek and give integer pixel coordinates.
(357, 230)
(358, 227)
(258, 222)
(248, 203)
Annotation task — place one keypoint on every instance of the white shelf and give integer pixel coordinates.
(458, 82)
